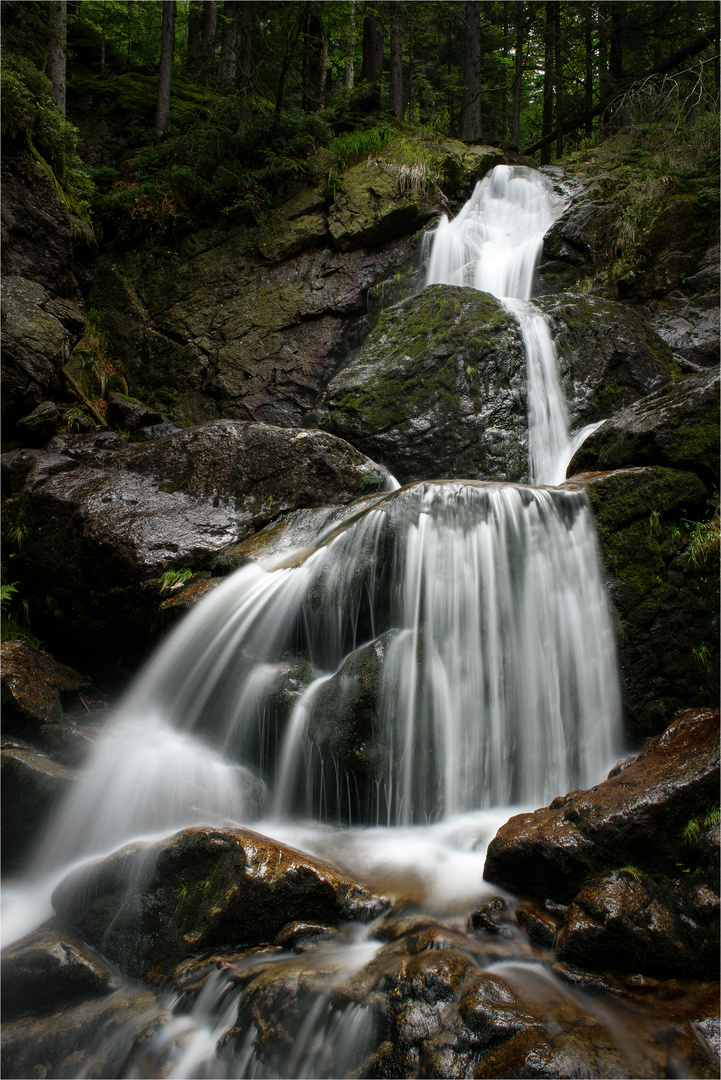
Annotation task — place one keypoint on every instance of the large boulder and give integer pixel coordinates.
(608, 355)
(438, 390)
(104, 521)
(35, 347)
(656, 537)
(32, 684)
(203, 889)
(637, 817)
(32, 785)
(370, 208)
(677, 426)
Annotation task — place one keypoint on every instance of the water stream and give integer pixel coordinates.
(480, 610)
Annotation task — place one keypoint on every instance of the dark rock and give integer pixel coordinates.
(126, 412)
(32, 683)
(32, 784)
(438, 390)
(677, 426)
(35, 347)
(369, 209)
(663, 590)
(48, 966)
(637, 817)
(608, 355)
(621, 920)
(104, 523)
(492, 917)
(15, 466)
(93, 1037)
(203, 889)
(540, 927)
(689, 326)
(36, 428)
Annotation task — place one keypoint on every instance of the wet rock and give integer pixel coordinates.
(438, 390)
(91, 1038)
(621, 920)
(32, 784)
(48, 966)
(540, 927)
(493, 917)
(677, 427)
(32, 683)
(689, 326)
(104, 522)
(127, 412)
(200, 891)
(36, 428)
(637, 817)
(608, 355)
(663, 588)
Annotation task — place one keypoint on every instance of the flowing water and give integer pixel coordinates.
(478, 610)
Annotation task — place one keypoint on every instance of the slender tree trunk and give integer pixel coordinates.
(289, 53)
(396, 66)
(588, 74)
(547, 121)
(195, 37)
(717, 41)
(518, 75)
(372, 70)
(411, 74)
(323, 73)
(470, 120)
(102, 40)
(615, 56)
(167, 48)
(245, 59)
(228, 66)
(558, 77)
(504, 99)
(210, 30)
(58, 16)
(316, 74)
(603, 35)
(349, 72)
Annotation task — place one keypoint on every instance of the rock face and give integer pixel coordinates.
(438, 390)
(608, 355)
(104, 521)
(47, 254)
(663, 584)
(32, 783)
(203, 889)
(677, 426)
(32, 683)
(638, 816)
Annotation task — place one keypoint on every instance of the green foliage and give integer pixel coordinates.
(15, 616)
(173, 579)
(355, 146)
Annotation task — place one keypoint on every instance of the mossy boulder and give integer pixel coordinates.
(438, 390)
(35, 346)
(203, 890)
(608, 355)
(677, 426)
(369, 208)
(664, 590)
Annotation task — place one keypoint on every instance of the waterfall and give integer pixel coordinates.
(474, 612)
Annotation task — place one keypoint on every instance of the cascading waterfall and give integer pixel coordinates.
(479, 607)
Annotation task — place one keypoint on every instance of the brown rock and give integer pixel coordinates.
(32, 683)
(628, 818)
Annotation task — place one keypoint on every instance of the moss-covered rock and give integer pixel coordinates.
(369, 209)
(663, 589)
(438, 390)
(677, 426)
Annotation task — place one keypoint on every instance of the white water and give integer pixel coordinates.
(498, 679)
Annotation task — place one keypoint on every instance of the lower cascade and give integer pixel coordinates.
(381, 696)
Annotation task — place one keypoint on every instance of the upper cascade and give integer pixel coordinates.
(495, 241)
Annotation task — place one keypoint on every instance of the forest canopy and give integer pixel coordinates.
(208, 105)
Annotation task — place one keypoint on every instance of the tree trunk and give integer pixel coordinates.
(547, 121)
(167, 48)
(323, 73)
(588, 74)
(228, 66)
(396, 66)
(372, 69)
(102, 40)
(504, 99)
(245, 60)
(195, 37)
(411, 77)
(210, 30)
(603, 35)
(518, 75)
(469, 127)
(349, 72)
(58, 16)
(289, 51)
(558, 77)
